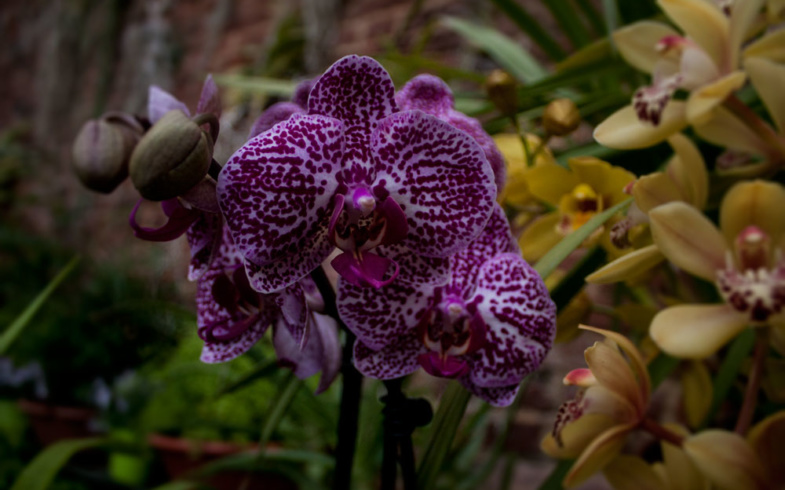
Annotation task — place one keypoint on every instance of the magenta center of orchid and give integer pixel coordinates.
(753, 284)
(244, 305)
(450, 332)
(359, 224)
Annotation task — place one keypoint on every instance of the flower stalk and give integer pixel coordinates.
(758, 125)
(753, 383)
(661, 432)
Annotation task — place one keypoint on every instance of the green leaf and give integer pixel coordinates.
(445, 426)
(575, 280)
(557, 475)
(508, 53)
(532, 27)
(261, 370)
(597, 52)
(738, 352)
(594, 17)
(18, 325)
(551, 260)
(661, 367)
(570, 22)
(611, 14)
(38, 475)
(257, 85)
(590, 150)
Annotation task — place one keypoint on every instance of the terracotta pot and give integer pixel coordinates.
(181, 456)
(52, 423)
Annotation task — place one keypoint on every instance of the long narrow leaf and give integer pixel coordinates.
(553, 482)
(570, 22)
(594, 17)
(38, 475)
(532, 27)
(257, 85)
(508, 53)
(18, 325)
(551, 260)
(729, 370)
(443, 430)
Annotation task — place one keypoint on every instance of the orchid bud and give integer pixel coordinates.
(102, 150)
(561, 117)
(500, 87)
(173, 156)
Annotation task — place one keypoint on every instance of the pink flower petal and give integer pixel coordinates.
(159, 102)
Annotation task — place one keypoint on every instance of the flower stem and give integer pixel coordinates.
(753, 383)
(757, 124)
(661, 432)
(350, 394)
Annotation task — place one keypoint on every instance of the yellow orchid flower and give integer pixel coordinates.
(684, 179)
(613, 401)
(704, 60)
(744, 259)
(588, 188)
(767, 439)
(727, 460)
(516, 192)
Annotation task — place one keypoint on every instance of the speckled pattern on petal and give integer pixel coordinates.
(495, 239)
(203, 239)
(394, 361)
(498, 397)
(439, 177)
(521, 320)
(276, 193)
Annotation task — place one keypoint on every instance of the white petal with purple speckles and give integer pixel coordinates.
(203, 237)
(440, 178)
(495, 239)
(521, 320)
(275, 193)
(159, 102)
(379, 316)
(291, 303)
(395, 360)
(213, 352)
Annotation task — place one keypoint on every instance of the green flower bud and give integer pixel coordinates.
(173, 156)
(561, 117)
(102, 150)
(501, 89)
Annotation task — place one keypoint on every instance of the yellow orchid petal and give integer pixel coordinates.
(767, 439)
(726, 130)
(703, 22)
(726, 459)
(655, 189)
(681, 471)
(636, 361)
(688, 169)
(613, 372)
(696, 331)
(624, 131)
(606, 179)
(771, 46)
(774, 380)
(539, 237)
(703, 100)
(627, 266)
(637, 43)
(742, 17)
(697, 390)
(549, 183)
(767, 76)
(759, 203)
(598, 454)
(688, 239)
(777, 339)
(627, 472)
(576, 436)
(775, 9)
(516, 191)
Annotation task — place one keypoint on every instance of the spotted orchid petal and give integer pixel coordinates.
(688, 239)
(322, 352)
(766, 76)
(433, 96)
(203, 240)
(703, 22)
(521, 319)
(278, 112)
(726, 459)
(624, 131)
(432, 170)
(179, 219)
(358, 92)
(576, 434)
(159, 102)
(696, 331)
(392, 361)
(757, 203)
(276, 193)
(637, 43)
(379, 316)
(209, 99)
(498, 397)
(293, 313)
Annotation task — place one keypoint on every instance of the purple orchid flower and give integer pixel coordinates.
(433, 96)
(489, 326)
(353, 173)
(232, 317)
(281, 111)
